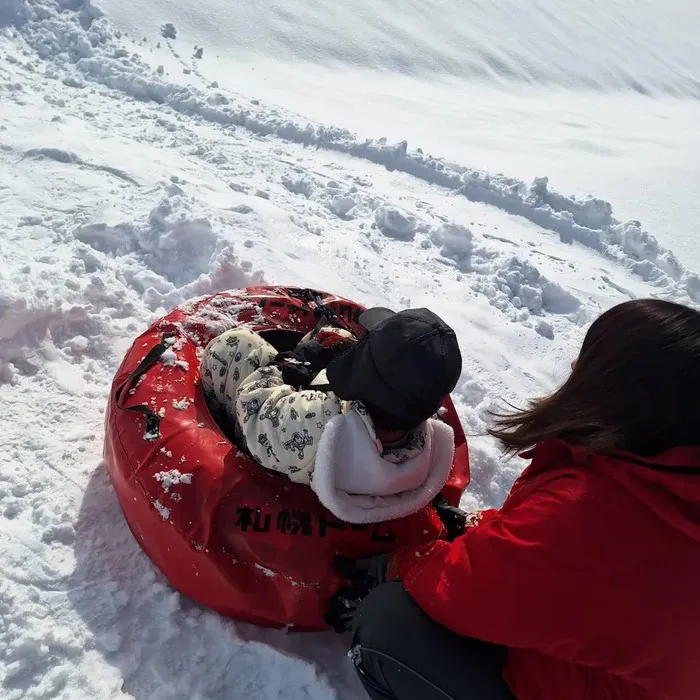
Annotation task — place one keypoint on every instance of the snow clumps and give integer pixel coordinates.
(394, 223)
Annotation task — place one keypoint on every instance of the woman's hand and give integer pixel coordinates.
(454, 519)
(363, 575)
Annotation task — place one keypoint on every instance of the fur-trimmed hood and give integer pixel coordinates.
(360, 481)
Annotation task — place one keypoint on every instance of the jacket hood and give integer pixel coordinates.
(667, 483)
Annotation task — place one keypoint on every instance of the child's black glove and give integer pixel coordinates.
(300, 365)
(294, 372)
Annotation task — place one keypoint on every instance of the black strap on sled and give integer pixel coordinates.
(323, 313)
(314, 303)
(152, 418)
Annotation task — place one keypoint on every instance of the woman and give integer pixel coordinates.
(584, 585)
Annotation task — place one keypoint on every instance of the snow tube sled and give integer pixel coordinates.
(237, 538)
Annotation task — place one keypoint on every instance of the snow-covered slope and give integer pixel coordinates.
(522, 88)
(125, 190)
(648, 47)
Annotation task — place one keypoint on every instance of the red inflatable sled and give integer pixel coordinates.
(236, 538)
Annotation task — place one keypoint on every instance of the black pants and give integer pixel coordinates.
(401, 654)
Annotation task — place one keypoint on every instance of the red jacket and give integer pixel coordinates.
(590, 574)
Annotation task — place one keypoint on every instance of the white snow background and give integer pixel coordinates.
(143, 164)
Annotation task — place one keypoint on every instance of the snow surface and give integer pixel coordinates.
(128, 186)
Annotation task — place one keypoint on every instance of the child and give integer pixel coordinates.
(354, 420)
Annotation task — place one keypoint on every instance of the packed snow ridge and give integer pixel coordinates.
(83, 47)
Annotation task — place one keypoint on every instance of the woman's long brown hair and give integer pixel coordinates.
(635, 386)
